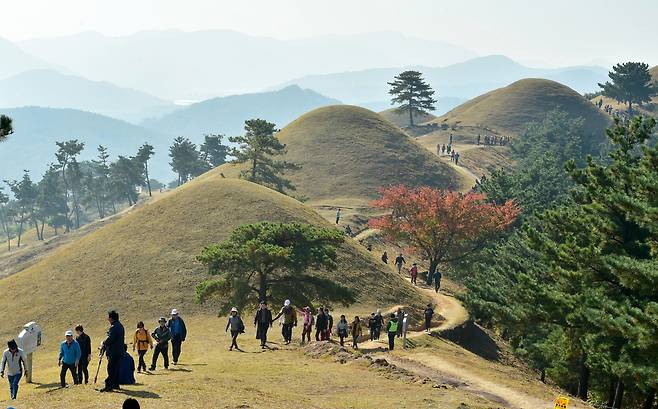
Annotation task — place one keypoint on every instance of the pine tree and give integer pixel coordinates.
(145, 153)
(257, 147)
(631, 84)
(213, 152)
(414, 95)
(185, 159)
(66, 155)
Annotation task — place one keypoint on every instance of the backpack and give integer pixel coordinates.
(241, 326)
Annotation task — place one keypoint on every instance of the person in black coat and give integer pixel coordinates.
(85, 353)
(263, 322)
(113, 346)
(321, 323)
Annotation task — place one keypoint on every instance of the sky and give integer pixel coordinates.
(546, 33)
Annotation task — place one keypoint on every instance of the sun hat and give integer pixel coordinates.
(68, 333)
(174, 312)
(286, 303)
(234, 309)
(162, 319)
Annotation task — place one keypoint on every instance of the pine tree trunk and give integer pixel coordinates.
(619, 394)
(36, 227)
(411, 116)
(611, 393)
(651, 397)
(20, 229)
(66, 199)
(583, 380)
(542, 378)
(148, 181)
(262, 286)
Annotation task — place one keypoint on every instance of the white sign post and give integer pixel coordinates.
(29, 340)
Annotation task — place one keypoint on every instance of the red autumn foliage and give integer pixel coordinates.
(441, 225)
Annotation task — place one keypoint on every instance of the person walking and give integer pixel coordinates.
(320, 325)
(379, 323)
(478, 139)
(437, 280)
(392, 330)
(236, 326)
(443, 149)
(385, 258)
(341, 328)
(308, 321)
(400, 316)
(162, 336)
(457, 158)
(178, 334)
(142, 341)
(413, 272)
(399, 262)
(338, 215)
(113, 346)
(14, 359)
(84, 341)
(69, 357)
(263, 322)
(355, 329)
(429, 313)
(371, 326)
(289, 321)
(438, 149)
(452, 156)
(450, 143)
(330, 324)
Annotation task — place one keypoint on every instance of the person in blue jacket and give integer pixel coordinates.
(127, 368)
(113, 346)
(178, 333)
(69, 357)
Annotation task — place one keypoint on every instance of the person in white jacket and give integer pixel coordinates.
(14, 359)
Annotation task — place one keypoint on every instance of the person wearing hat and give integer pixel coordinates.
(289, 320)
(178, 334)
(114, 347)
(14, 359)
(161, 335)
(69, 357)
(263, 322)
(237, 327)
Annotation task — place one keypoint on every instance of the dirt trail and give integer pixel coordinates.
(462, 170)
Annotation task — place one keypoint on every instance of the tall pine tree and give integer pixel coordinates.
(631, 84)
(412, 93)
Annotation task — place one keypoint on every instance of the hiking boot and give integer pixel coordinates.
(152, 368)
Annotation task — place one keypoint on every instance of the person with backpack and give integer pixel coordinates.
(392, 330)
(429, 313)
(236, 326)
(162, 336)
(355, 329)
(263, 322)
(308, 321)
(320, 325)
(399, 261)
(289, 321)
(85, 353)
(69, 357)
(341, 328)
(437, 280)
(13, 359)
(413, 272)
(178, 334)
(142, 341)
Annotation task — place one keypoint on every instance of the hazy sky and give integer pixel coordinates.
(554, 32)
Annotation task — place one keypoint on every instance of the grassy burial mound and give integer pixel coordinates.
(401, 119)
(347, 153)
(509, 109)
(144, 263)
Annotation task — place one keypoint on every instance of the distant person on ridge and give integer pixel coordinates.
(450, 143)
(429, 313)
(142, 341)
(355, 329)
(308, 321)
(178, 334)
(236, 326)
(113, 347)
(438, 148)
(392, 330)
(413, 271)
(14, 359)
(85, 353)
(289, 320)
(452, 156)
(399, 261)
(478, 139)
(456, 158)
(338, 215)
(320, 325)
(385, 258)
(341, 328)
(437, 280)
(69, 357)
(443, 149)
(263, 322)
(127, 369)
(162, 336)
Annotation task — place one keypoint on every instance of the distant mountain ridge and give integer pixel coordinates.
(49, 88)
(226, 115)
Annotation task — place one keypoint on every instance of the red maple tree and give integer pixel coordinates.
(441, 225)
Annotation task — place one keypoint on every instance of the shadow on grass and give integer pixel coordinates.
(180, 370)
(55, 385)
(192, 364)
(139, 394)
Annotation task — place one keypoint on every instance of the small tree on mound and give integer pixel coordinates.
(258, 146)
(411, 91)
(270, 261)
(143, 155)
(441, 225)
(631, 83)
(6, 127)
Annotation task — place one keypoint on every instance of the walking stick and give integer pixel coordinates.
(98, 368)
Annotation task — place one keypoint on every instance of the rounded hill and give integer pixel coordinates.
(144, 263)
(511, 108)
(347, 153)
(401, 119)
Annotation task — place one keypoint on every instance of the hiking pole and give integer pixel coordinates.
(98, 369)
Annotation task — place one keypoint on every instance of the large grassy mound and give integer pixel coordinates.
(511, 108)
(347, 153)
(144, 263)
(401, 119)
(654, 73)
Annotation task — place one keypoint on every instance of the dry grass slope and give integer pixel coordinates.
(144, 263)
(401, 119)
(347, 152)
(511, 108)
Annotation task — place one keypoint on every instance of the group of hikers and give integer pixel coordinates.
(75, 353)
(400, 261)
(493, 140)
